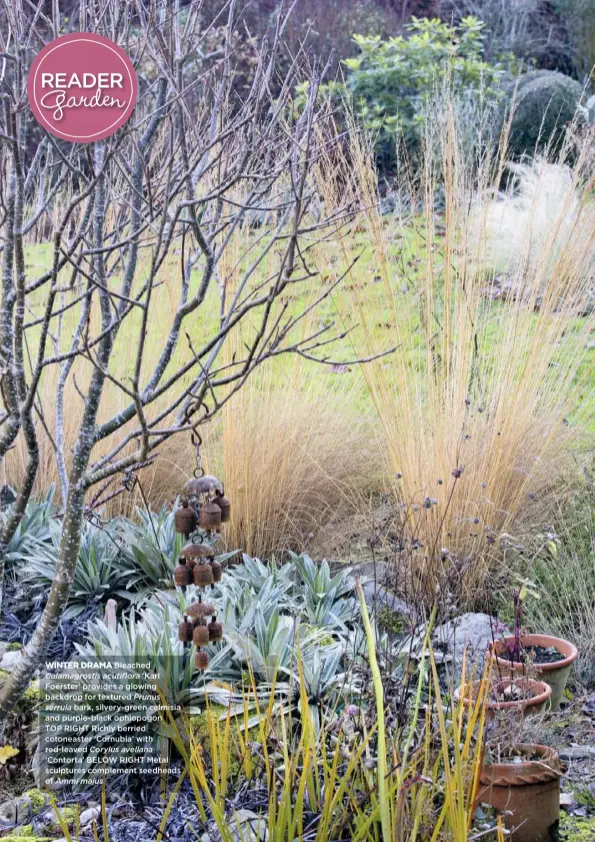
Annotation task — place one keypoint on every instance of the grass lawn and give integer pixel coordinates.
(392, 308)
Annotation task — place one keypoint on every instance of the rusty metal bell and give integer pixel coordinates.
(215, 629)
(225, 506)
(217, 569)
(200, 635)
(209, 516)
(193, 553)
(203, 575)
(196, 486)
(185, 631)
(182, 574)
(185, 519)
(201, 660)
(200, 609)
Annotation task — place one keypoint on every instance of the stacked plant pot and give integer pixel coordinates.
(521, 695)
(524, 786)
(523, 782)
(553, 672)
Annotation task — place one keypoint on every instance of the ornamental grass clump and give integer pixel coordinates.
(491, 372)
(338, 782)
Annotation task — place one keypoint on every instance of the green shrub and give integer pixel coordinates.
(393, 82)
(579, 22)
(546, 102)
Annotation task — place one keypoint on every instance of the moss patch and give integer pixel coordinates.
(307, 629)
(37, 799)
(200, 726)
(576, 829)
(32, 695)
(68, 816)
(585, 797)
(25, 833)
(392, 621)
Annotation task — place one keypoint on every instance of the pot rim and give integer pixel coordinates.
(543, 693)
(525, 773)
(564, 647)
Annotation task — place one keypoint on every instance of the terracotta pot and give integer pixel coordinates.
(555, 674)
(527, 793)
(537, 696)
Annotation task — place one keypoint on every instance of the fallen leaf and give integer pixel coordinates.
(6, 752)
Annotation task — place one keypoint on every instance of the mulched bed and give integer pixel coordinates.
(21, 615)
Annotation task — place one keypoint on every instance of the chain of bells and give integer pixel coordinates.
(205, 506)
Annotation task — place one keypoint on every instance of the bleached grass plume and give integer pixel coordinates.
(475, 403)
(294, 449)
(545, 214)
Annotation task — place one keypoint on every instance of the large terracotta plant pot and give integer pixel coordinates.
(527, 793)
(555, 674)
(536, 695)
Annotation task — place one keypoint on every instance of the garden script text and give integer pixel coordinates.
(61, 96)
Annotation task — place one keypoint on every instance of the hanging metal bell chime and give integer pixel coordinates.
(217, 569)
(209, 516)
(215, 630)
(203, 575)
(201, 660)
(225, 506)
(185, 519)
(185, 630)
(193, 553)
(200, 609)
(203, 505)
(197, 486)
(200, 636)
(182, 574)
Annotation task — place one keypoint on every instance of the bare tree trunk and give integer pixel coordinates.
(12, 341)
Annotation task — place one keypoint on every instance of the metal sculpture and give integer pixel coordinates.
(203, 509)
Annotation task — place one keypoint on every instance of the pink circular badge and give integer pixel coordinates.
(82, 87)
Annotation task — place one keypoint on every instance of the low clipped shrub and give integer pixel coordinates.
(544, 104)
